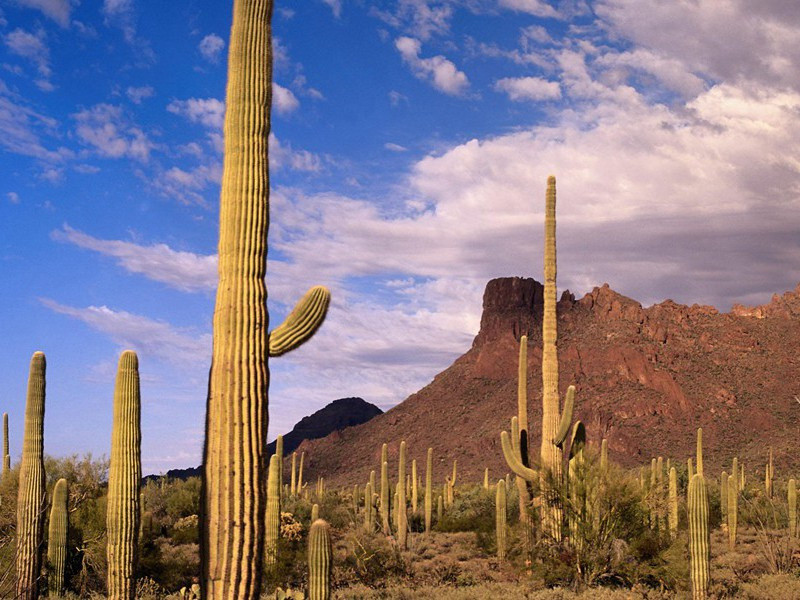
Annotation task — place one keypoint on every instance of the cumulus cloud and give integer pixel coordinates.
(422, 18)
(137, 94)
(32, 47)
(110, 133)
(211, 47)
(57, 10)
(209, 112)
(437, 70)
(283, 100)
(283, 156)
(181, 270)
(521, 89)
(537, 8)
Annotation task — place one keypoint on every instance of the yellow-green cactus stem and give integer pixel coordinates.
(57, 540)
(577, 484)
(742, 479)
(279, 452)
(372, 481)
(402, 515)
(792, 498)
(387, 530)
(699, 538)
(6, 455)
(439, 509)
(689, 468)
(293, 490)
(500, 519)
(233, 498)
(32, 497)
(414, 488)
(653, 494)
(486, 479)
(124, 480)
(673, 503)
(521, 438)
(604, 456)
(356, 500)
(319, 561)
(733, 511)
(272, 529)
(723, 498)
(368, 517)
(428, 490)
(300, 473)
(699, 457)
(314, 512)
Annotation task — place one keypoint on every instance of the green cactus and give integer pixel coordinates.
(368, 516)
(234, 478)
(428, 490)
(699, 457)
(124, 479)
(32, 497)
(414, 490)
(272, 528)
(500, 518)
(733, 511)
(279, 453)
(486, 479)
(577, 485)
(792, 498)
(57, 540)
(661, 496)
(699, 538)
(723, 498)
(300, 473)
(521, 438)
(439, 509)
(6, 455)
(314, 512)
(293, 490)
(319, 561)
(673, 503)
(385, 497)
(689, 468)
(604, 456)
(402, 515)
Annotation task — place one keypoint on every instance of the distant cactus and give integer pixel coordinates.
(661, 496)
(414, 490)
(293, 489)
(387, 530)
(402, 515)
(689, 468)
(652, 494)
(32, 497)
(314, 512)
(604, 456)
(319, 561)
(500, 513)
(428, 490)
(300, 473)
(699, 456)
(699, 538)
(6, 455)
(368, 516)
(439, 509)
(124, 479)
(733, 511)
(723, 498)
(279, 453)
(272, 528)
(57, 540)
(792, 498)
(673, 503)
(486, 479)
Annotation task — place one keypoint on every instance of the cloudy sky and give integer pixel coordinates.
(411, 143)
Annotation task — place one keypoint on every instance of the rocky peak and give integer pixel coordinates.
(786, 306)
(609, 305)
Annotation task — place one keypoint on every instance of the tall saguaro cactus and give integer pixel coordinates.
(699, 537)
(319, 561)
(31, 498)
(500, 518)
(402, 515)
(273, 515)
(124, 480)
(6, 455)
(234, 455)
(57, 540)
(428, 490)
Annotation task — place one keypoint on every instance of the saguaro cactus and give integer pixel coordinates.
(402, 515)
(792, 498)
(700, 451)
(428, 490)
(699, 538)
(319, 561)
(57, 540)
(673, 503)
(500, 518)
(723, 498)
(733, 511)
(31, 498)
(272, 529)
(233, 495)
(293, 489)
(368, 516)
(279, 453)
(124, 479)
(387, 530)
(414, 488)
(6, 455)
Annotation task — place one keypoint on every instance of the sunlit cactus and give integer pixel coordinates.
(414, 488)
(272, 529)
(500, 518)
(368, 516)
(6, 455)
(699, 538)
(124, 480)
(428, 490)
(293, 489)
(672, 515)
(699, 457)
(279, 453)
(319, 561)
(314, 512)
(733, 511)
(402, 515)
(723, 498)
(385, 496)
(792, 513)
(57, 540)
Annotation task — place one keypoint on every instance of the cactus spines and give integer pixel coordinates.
(272, 527)
(57, 540)
(414, 490)
(6, 455)
(500, 518)
(319, 561)
(31, 498)
(733, 511)
(304, 320)
(402, 515)
(699, 537)
(439, 509)
(314, 512)
(428, 490)
(699, 457)
(385, 497)
(792, 498)
(124, 479)
(368, 516)
(672, 515)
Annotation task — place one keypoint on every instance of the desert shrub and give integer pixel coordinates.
(472, 510)
(370, 559)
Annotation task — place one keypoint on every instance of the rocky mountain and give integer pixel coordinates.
(646, 378)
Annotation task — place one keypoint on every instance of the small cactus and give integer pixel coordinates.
(414, 490)
(402, 515)
(385, 490)
(57, 539)
(428, 490)
(272, 529)
(279, 452)
(673, 503)
(319, 561)
(699, 538)
(500, 512)
(368, 516)
(6, 455)
(294, 490)
(792, 497)
(314, 512)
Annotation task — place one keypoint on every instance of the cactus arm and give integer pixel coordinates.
(302, 323)
(566, 417)
(513, 460)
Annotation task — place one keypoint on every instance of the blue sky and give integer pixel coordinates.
(411, 143)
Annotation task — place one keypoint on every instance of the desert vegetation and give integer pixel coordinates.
(564, 522)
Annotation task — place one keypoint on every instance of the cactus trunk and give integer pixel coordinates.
(428, 490)
(279, 452)
(699, 538)
(31, 498)
(319, 561)
(414, 488)
(673, 503)
(6, 455)
(792, 498)
(57, 540)
(272, 528)
(402, 515)
(385, 497)
(124, 480)
(500, 520)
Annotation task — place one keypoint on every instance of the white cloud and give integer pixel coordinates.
(211, 47)
(32, 47)
(282, 156)
(394, 147)
(106, 129)
(137, 94)
(396, 98)
(22, 128)
(336, 7)
(209, 112)
(537, 8)
(437, 70)
(13, 197)
(185, 271)
(283, 99)
(188, 186)
(421, 18)
(57, 10)
(528, 88)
